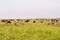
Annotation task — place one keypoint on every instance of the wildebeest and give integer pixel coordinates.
(41, 21)
(6, 21)
(57, 21)
(53, 22)
(34, 21)
(27, 20)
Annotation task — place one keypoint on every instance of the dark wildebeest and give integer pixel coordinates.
(41, 21)
(53, 22)
(34, 21)
(8, 21)
(57, 21)
(27, 20)
(4, 20)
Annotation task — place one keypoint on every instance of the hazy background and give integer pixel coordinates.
(29, 9)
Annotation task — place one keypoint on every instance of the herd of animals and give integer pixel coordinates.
(19, 21)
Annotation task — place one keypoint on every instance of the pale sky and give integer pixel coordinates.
(29, 8)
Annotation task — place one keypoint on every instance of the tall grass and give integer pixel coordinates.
(29, 31)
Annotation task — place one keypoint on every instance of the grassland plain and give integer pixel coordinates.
(29, 31)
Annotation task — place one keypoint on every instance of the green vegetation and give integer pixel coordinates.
(29, 31)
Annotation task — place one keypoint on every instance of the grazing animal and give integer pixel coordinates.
(41, 21)
(27, 20)
(53, 22)
(8, 21)
(4, 20)
(56, 20)
(34, 21)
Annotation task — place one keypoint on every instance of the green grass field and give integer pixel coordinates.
(29, 31)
